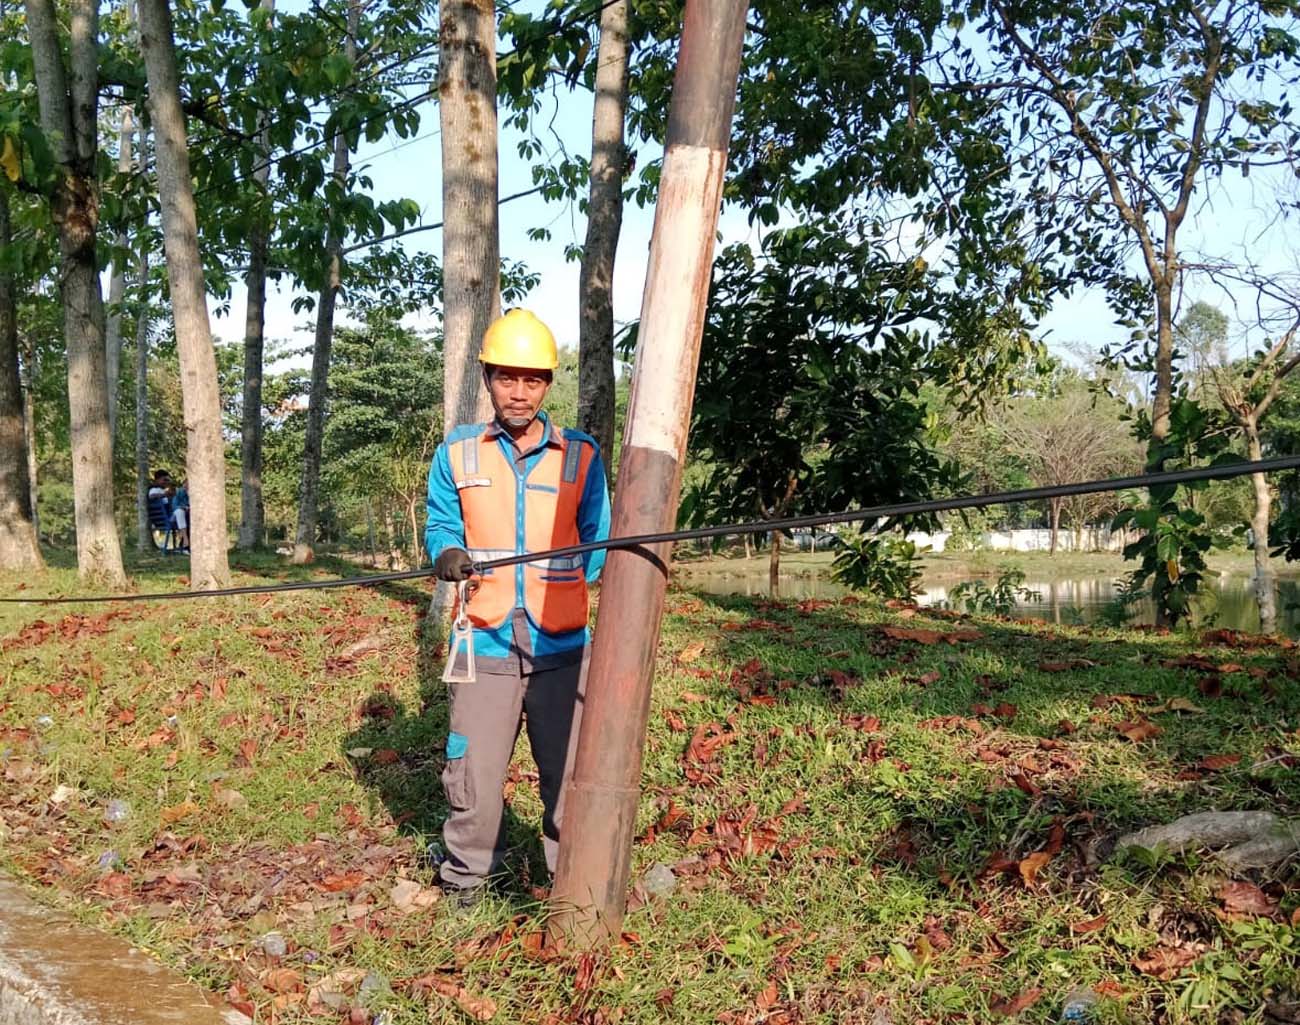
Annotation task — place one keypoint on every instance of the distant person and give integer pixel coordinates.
(159, 504)
(516, 484)
(180, 505)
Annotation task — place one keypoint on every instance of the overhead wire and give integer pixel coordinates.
(1167, 478)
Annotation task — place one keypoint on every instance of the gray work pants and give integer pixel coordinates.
(485, 721)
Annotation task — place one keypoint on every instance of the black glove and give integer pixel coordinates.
(453, 564)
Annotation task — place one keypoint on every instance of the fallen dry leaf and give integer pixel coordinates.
(1165, 962)
(1216, 762)
(408, 896)
(768, 998)
(1183, 705)
(692, 697)
(1246, 899)
(1014, 1005)
(922, 636)
(282, 980)
(1091, 925)
(691, 652)
(176, 812)
(337, 883)
(1139, 730)
(480, 1008)
(1031, 865)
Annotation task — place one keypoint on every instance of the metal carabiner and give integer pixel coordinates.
(462, 637)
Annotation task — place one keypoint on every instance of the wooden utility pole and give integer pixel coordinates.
(590, 891)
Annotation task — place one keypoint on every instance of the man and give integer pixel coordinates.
(517, 484)
(160, 505)
(180, 506)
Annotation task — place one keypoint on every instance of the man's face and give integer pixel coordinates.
(517, 393)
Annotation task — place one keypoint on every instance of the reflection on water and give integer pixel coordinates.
(1226, 600)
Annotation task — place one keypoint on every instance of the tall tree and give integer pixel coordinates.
(251, 511)
(69, 102)
(467, 90)
(205, 451)
(309, 492)
(1249, 391)
(604, 221)
(18, 544)
(143, 529)
(117, 285)
(1067, 433)
(1127, 113)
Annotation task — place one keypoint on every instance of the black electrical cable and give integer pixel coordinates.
(1148, 480)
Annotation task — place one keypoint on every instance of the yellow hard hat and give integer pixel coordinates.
(519, 339)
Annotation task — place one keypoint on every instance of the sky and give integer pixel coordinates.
(1227, 220)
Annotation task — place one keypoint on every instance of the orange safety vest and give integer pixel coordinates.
(508, 514)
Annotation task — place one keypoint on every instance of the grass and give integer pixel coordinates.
(864, 827)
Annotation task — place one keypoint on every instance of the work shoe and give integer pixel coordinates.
(462, 900)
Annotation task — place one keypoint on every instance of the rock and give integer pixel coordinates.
(659, 880)
(273, 945)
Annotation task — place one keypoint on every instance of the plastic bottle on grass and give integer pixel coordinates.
(1080, 1005)
(116, 811)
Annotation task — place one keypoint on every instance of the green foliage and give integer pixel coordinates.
(1130, 592)
(977, 597)
(1174, 538)
(808, 392)
(882, 564)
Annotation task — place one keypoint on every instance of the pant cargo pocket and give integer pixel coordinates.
(456, 781)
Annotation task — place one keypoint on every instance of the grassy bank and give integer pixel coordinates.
(873, 815)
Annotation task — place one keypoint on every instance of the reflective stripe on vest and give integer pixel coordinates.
(506, 515)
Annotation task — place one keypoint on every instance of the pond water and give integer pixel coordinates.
(1227, 599)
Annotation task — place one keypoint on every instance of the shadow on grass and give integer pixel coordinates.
(1037, 715)
(407, 778)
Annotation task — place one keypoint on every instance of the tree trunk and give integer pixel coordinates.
(19, 549)
(252, 513)
(467, 90)
(370, 531)
(1054, 512)
(143, 532)
(117, 290)
(1161, 404)
(774, 565)
(309, 490)
(749, 546)
(29, 425)
(412, 509)
(604, 221)
(1162, 400)
(69, 104)
(205, 455)
(1265, 594)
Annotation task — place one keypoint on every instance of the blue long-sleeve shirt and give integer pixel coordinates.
(518, 643)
